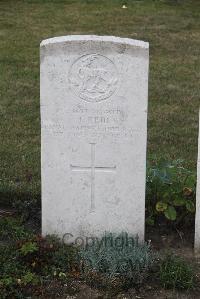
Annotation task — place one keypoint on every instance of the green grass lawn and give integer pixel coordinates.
(171, 27)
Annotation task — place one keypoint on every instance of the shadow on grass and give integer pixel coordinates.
(25, 204)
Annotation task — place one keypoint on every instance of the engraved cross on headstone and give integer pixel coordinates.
(92, 168)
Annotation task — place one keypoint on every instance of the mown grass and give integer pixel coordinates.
(173, 30)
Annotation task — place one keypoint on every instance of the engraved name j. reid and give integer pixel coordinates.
(92, 169)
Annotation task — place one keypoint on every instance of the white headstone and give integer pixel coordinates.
(94, 92)
(197, 222)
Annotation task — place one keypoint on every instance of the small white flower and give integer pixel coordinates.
(124, 6)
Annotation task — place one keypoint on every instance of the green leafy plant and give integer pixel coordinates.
(28, 278)
(29, 247)
(12, 229)
(176, 273)
(170, 192)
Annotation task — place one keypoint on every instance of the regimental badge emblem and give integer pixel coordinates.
(93, 77)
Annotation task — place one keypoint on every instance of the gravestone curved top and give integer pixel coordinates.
(95, 38)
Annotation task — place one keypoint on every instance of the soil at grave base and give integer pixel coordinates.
(178, 241)
(163, 239)
(88, 293)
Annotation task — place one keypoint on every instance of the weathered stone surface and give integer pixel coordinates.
(197, 222)
(94, 94)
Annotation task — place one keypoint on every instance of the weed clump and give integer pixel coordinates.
(176, 273)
